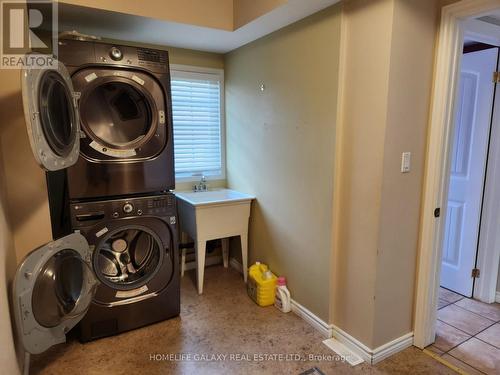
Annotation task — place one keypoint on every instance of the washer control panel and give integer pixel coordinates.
(89, 213)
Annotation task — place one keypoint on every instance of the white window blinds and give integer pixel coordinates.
(196, 107)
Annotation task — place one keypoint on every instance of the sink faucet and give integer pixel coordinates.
(201, 186)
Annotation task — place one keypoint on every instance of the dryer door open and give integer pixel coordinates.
(53, 288)
(52, 119)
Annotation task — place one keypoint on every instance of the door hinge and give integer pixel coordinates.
(496, 77)
(475, 273)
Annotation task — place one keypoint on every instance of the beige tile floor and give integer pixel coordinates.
(468, 333)
(221, 321)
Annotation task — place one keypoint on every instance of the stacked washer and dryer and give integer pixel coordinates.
(101, 125)
(119, 187)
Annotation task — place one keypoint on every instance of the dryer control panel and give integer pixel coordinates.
(86, 214)
(80, 53)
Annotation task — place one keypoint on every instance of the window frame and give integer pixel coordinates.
(198, 72)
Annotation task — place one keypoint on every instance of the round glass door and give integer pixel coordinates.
(51, 114)
(60, 287)
(118, 113)
(57, 113)
(128, 258)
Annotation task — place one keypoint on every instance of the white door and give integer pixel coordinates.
(53, 288)
(51, 113)
(467, 172)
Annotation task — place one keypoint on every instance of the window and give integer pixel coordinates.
(197, 106)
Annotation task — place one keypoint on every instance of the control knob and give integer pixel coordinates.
(115, 53)
(128, 208)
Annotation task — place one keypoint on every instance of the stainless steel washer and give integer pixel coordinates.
(135, 259)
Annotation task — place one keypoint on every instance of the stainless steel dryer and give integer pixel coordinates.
(124, 104)
(136, 260)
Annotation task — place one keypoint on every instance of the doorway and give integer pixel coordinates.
(472, 163)
(460, 232)
(467, 330)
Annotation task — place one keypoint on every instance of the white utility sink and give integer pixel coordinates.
(213, 197)
(213, 214)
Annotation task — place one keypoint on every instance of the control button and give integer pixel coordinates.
(115, 54)
(139, 212)
(128, 208)
(115, 214)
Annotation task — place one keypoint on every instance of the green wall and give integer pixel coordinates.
(280, 147)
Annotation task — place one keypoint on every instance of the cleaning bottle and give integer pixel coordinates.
(282, 299)
(261, 284)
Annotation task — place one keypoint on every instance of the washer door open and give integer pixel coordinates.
(51, 114)
(53, 289)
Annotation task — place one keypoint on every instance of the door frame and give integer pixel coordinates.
(438, 160)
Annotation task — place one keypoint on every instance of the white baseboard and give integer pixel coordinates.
(497, 297)
(392, 347)
(376, 355)
(357, 346)
(321, 326)
(371, 356)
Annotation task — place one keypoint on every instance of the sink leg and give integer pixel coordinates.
(244, 255)
(200, 264)
(225, 251)
(184, 239)
(183, 261)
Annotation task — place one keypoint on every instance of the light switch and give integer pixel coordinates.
(405, 162)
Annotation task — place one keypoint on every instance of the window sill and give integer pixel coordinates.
(213, 182)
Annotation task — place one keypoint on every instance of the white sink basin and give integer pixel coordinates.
(210, 215)
(210, 197)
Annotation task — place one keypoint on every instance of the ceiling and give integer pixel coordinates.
(492, 18)
(483, 29)
(138, 29)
